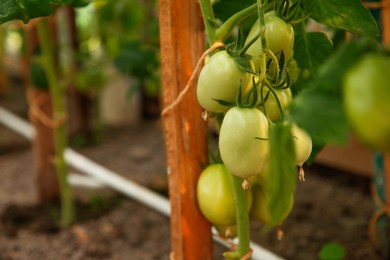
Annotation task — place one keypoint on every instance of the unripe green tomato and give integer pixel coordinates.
(215, 195)
(279, 36)
(271, 105)
(260, 208)
(303, 144)
(294, 70)
(219, 79)
(243, 153)
(262, 177)
(367, 100)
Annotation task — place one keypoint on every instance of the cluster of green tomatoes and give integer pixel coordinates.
(249, 104)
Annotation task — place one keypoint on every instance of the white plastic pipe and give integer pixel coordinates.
(84, 181)
(102, 175)
(17, 124)
(117, 182)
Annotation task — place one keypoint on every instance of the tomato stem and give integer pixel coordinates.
(249, 44)
(261, 9)
(240, 197)
(67, 207)
(208, 20)
(227, 27)
(277, 101)
(275, 62)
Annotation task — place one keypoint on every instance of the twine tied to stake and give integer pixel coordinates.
(193, 75)
(36, 112)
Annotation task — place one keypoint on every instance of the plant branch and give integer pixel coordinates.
(208, 19)
(59, 114)
(243, 250)
(226, 28)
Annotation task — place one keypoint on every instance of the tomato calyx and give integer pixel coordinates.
(237, 50)
(287, 9)
(242, 60)
(250, 99)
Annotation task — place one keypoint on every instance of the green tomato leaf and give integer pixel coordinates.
(243, 62)
(23, 10)
(282, 179)
(310, 50)
(321, 115)
(350, 15)
(318, 108)
(37, 75)
(77, 3)
(223, 9)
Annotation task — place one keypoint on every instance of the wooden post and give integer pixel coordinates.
(182, 43)
(43, 144)
(385, 16)
(3, 72)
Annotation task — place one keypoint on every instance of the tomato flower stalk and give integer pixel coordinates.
(59, 116)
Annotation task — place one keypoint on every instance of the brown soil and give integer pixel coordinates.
(330, 206)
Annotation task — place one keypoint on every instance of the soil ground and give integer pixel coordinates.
(331, 206)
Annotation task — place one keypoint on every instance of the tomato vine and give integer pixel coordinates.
(288, 67)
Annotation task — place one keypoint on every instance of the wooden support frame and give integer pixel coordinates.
(182, 43)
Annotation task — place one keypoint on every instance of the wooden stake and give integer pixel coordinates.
(43, 143)
(385, 17)
(43, 147)
(182, 43)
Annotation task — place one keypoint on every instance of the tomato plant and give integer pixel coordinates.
(294, 106)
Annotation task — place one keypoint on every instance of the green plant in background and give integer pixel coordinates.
(129, 34)
(59, 117)
(332, 251)
(44, 75)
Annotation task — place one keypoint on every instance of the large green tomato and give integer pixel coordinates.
(279, 36)
(241, 141)
(367, 100)
(216, 196)
(271, 106)
(260, 208)
(219, 79)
